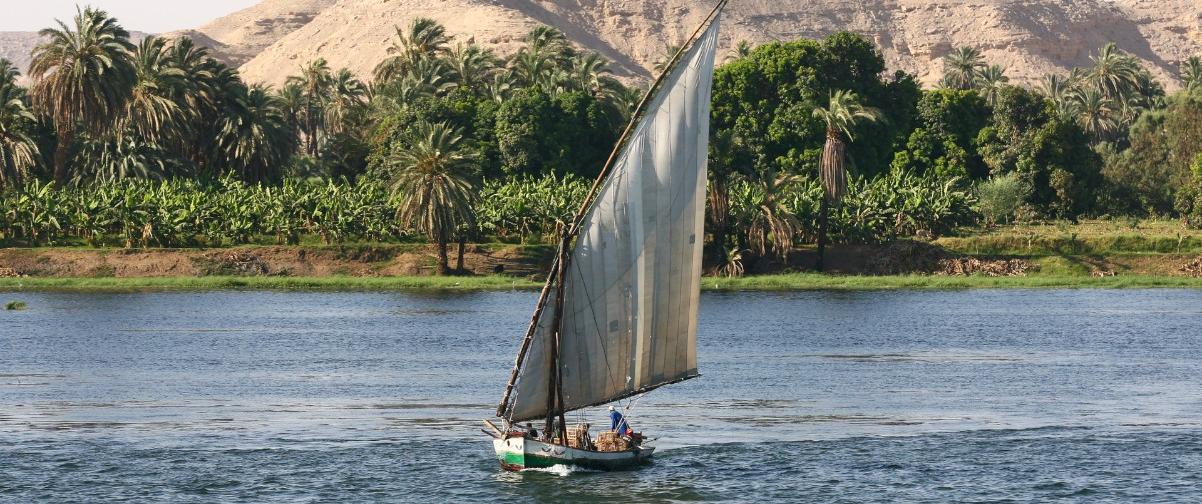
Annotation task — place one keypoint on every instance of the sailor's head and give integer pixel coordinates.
(611, 408)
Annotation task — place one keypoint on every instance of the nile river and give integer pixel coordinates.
(977, 396)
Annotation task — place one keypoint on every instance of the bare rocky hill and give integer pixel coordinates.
(1028, 37)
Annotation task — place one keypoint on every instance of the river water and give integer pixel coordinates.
(975, 396)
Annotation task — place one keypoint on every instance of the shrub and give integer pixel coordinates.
(1000, 197)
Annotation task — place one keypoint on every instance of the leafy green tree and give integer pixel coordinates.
(962, 68)
(1148, 176)
(949, 121)
(566, 133)
(433, 175)
(1027, 137)
(82, 78)
(19, 152)
(840, 116)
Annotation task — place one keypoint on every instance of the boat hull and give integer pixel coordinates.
(518, 453)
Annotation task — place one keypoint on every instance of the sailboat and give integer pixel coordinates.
(617, 316)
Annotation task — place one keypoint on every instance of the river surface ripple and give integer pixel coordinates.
(974, 396)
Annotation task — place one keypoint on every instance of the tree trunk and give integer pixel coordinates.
(61, 175)
(824, 210)
(719, 202)
(459, 259)
(443, 268)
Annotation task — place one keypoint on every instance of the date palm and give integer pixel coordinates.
(314, 80)
(1191, 74)
(432, 174)
(82, 78)
(742, 50)
(1096, 114)
(425, 38)
(471, 65)
(1059, 90)
(962, 67)
(18, 151)
(254, 138)
(532, 68)
(990, 82)
(150, 111)
(843, 113)
(552, 43)
(1114, 73)
(347, 99)
(665, 59)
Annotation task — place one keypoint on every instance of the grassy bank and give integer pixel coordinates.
(782, 282)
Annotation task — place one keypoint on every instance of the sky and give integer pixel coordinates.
(152, 16)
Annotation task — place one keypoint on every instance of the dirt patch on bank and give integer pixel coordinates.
(358, 261)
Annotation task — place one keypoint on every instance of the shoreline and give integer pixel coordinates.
(761, 283)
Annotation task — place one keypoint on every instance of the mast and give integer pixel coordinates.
(558, 274)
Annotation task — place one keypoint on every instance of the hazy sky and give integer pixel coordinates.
(154, 16)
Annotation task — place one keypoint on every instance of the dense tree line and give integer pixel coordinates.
(461, 144)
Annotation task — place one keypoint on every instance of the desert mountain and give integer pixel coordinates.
(1028, 37)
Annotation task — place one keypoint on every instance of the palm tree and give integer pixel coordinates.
(82, 78)
(772, 221)
(552, 43)
(1059, 90)
(501, 87)
(254, 138)
(314, 80)
(666, 58)
(348, 98)
(961, 68)
(18, 151)
(1191, 73)
(1115, 73)
(471, 65)
(432, 174)
(291, 100)
(150, 112)
(843, 113)
(424, 39)
(990, 82)
(1096, 114)
(742, 50)
(532, 68)
(8, 72)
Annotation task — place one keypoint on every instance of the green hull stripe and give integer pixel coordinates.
(537, 461)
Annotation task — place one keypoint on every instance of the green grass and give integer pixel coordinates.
(782, 282)
(814, 281)
(1094, 237)
(15, 305)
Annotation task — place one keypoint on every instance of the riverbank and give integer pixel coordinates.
(1091, 254)
(780, 282)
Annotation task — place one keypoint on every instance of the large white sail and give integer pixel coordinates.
(633, 280)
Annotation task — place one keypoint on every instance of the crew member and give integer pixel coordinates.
(617, 423)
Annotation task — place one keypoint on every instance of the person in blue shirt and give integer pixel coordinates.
(617, 423)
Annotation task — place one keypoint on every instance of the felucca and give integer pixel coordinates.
(618, 315)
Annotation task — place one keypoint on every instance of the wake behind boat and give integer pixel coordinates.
(617, 317)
